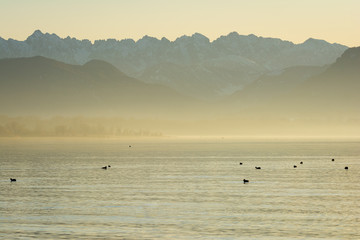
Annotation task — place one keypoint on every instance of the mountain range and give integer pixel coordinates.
(28, 84)
(282, 96)
(191, 65)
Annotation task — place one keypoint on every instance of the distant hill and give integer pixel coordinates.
(273, 86)
(319, 92)
(335, 92)
(42, 86)
(191, 65)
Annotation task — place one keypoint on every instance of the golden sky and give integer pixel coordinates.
(294, 20)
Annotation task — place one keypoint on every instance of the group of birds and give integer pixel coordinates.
(295, 166)
(244, 180)
(105, 168)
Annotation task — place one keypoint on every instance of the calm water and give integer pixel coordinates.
(177, 189)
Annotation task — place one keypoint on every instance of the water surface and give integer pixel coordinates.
(179, 189)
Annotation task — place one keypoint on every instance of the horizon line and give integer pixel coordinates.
(38, 31)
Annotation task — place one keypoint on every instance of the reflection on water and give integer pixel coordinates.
(179, 190)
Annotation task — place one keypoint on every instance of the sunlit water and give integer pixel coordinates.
(177, 189)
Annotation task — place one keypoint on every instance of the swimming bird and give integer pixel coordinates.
(245, 180)
(12, 180)
(301, 162)
(346, 168)
(332, 160)
(240, 163)
(295, 166)
(109, 166)
(104, 167)
(257, 167)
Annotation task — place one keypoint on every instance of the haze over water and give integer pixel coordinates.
(177, 189)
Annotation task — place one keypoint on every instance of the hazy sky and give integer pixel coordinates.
(293, 20)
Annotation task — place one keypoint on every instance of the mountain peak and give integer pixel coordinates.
(37, 32)
(200, 38)
(39, 35)
(36, 35)
(147, 41)
(233, 34)
(97, 65)
(148, 38)
(313, 41)
(252, 35)
(197, 37)
(164, 39)
(95, 62)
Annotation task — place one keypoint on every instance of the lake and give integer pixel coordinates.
(179, 189)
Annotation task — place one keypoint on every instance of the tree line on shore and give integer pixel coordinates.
(72, 127)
